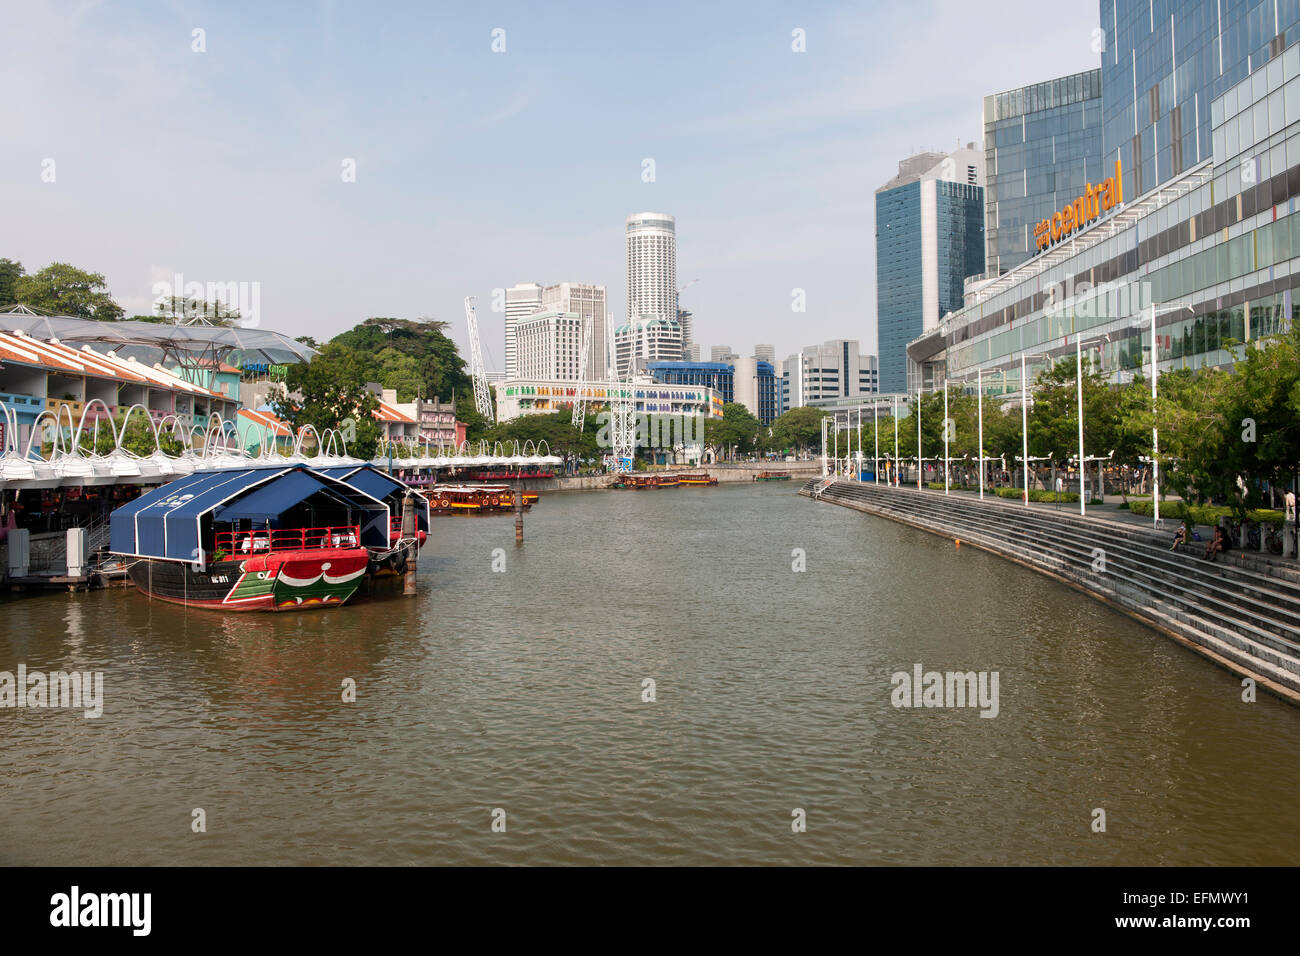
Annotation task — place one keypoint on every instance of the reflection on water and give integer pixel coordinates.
(522, 691)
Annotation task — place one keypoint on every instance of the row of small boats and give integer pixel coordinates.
(663, 480)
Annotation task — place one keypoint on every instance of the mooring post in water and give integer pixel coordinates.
(412, 543)
(519, 515)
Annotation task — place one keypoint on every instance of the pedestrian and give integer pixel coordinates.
(1218, 543)
(1180, 537)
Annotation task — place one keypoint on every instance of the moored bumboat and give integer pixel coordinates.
(274, 538)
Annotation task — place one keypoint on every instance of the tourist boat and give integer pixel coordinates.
(636, 481)
(666, 481)
(270, 538)
(475, 499)
(772, 476)
(703, 478)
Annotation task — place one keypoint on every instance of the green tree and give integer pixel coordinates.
(66, 290)
(738, 430)
(435, 368)
(799, 429)
(329, 392)
(10, 273)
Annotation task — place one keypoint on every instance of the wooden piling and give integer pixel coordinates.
(519, 515)
(412, 543)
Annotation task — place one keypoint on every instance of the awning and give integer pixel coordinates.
(167, 521)
(379, 485)
(271, 499)
(164, 523)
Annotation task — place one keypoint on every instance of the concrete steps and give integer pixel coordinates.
(1236, 612)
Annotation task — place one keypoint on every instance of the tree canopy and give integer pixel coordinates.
(329, 392)
(414, 357)
(65, 290)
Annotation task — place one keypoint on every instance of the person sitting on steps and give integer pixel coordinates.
(1180, 537)
(1218, 543)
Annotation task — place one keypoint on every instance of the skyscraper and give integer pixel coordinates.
(1164, 62)
(929, 238)
(547, 346)
(587, 301)
(521, 300)
(652, 266)
(765, 353)
(1042, 146)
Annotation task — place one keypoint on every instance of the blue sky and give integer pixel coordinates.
(476, 170)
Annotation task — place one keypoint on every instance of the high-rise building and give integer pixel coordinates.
(1213, 251)
(521, 300)
(929, 238)
(832, 370)
(756, 389)
(765, 353)
(1042, 146)
(547, 346)
(691, 353)
(647, 339)
(722, 353)
(1162, 65)
(652, 266)
(588, 302)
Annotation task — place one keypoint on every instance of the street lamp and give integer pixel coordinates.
(1155, 432)
(875, 419)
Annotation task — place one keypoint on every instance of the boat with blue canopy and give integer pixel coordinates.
(256, 538)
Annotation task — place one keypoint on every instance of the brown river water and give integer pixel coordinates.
(522, 691)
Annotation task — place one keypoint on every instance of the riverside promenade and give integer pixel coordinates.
(1241, 611)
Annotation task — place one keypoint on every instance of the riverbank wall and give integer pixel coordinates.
(1242, 612)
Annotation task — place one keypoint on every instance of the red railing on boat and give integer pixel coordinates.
(238, 543)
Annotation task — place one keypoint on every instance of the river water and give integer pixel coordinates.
(521, 691)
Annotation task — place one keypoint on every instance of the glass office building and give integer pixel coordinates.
(1215, 249)
(1164, 62)
(929, 238)
(1042, 144)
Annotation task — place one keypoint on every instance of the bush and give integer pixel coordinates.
(1202, 514)
(1037, 494)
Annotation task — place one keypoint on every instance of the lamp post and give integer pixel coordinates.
(1024, 424)
(857, 462)
(875, 419)
(979, 396)
(823, 446)
(947, 464)
(920, 462)
(1078, 378)
(1155, 430)
(896, 476)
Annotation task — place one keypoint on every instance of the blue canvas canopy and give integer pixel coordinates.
(167, 522)
(379, 485)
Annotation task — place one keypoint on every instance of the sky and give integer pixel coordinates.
(477, 169)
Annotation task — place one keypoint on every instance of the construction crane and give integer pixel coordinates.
(687, 286)
(580, 402)
(482, 396)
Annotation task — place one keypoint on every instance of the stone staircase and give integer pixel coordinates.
(1241, 610)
